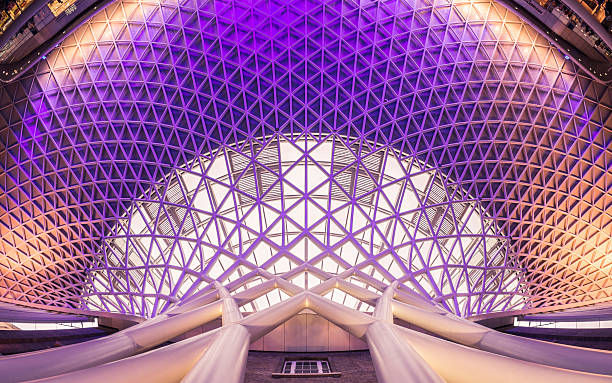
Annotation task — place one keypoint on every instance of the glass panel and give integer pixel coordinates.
(289, 204)
(306, 367)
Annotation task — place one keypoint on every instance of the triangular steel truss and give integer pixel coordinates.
(147, 86)
(314, 202)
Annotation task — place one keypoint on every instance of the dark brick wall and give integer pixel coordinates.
(356, 367)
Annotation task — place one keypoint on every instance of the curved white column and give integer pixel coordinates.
(353, 321)
(167, 364)
(225, 359)
(474, 335)
(414, 299)
(461, 364)
(120, 345)
(262, 322)
(384, 309)
(398, 354)
(230, 311)
(394, 360)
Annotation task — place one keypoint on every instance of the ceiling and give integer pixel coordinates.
(144, 87)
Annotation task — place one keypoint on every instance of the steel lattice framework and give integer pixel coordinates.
(328, 203)
(125, 103)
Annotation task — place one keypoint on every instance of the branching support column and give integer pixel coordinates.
(120, 345)
(225, 360)
(395, 361)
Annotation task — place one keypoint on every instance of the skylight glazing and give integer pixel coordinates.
(331, 202)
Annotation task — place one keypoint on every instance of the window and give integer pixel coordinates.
(306, 367)
(327, 203)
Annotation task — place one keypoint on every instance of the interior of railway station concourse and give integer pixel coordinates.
(321, 191)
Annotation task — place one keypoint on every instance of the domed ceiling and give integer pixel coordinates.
(323, 203)
(464, 88)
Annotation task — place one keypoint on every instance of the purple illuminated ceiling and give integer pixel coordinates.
(144, 88)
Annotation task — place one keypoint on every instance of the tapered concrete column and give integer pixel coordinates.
(113, 347)
(225, 360)
(231, 312)
(394, 362)
(399, 354)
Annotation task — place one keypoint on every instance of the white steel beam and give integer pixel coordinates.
(225, 360)
(120, 345)
(163, 365)
(474, 335)
(394, 361)
(461, 364)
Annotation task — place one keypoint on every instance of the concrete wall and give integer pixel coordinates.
(308, 332)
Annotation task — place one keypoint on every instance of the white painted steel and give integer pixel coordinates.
(474, 335)
(120, 345)
(398, 353)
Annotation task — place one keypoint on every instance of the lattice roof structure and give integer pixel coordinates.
(322, 203)
(146, 87)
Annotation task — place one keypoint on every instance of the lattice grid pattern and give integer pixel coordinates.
(329, 203)
(145, 87)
